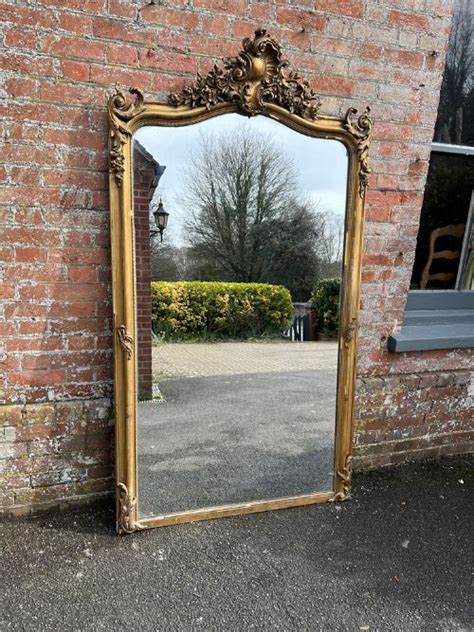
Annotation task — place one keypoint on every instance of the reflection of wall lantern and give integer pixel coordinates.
(161, 220)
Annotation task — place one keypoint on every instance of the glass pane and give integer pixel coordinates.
(443, 221)
(237, 311)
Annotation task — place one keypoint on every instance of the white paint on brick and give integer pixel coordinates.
(86, 460)
(7, 443)
(470, 390)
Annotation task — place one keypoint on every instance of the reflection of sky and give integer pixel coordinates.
(321, 164)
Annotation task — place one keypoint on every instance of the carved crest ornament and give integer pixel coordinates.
(255, 78)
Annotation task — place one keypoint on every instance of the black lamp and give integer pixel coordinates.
(161, 220)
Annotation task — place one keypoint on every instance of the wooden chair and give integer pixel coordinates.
(454, 230)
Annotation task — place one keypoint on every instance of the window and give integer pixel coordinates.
(440, 308)
(443, 242)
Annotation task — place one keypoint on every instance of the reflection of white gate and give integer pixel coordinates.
(299, 329)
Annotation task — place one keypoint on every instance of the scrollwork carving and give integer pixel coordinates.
(361, 128)
(122, 108)
(125, 340)
(349, 332)
(344, 475)
(127, 506)
(250, 80)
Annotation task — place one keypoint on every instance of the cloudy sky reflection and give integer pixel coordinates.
(321, 164)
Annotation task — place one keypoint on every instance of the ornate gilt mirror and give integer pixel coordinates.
(236, 222)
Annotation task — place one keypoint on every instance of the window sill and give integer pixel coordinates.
(435, 319)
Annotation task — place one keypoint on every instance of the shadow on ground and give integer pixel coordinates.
(398, 556)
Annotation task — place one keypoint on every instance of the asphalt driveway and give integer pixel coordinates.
(240, 421)
(398, 556)
(236, 438)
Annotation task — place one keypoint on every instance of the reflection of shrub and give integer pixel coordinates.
(325, 300)
(198, 309)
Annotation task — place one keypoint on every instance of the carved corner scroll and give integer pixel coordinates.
(127, 507)
(344, 475)
(361, 128)
(125, 340)
(250, 80)
(121, 109)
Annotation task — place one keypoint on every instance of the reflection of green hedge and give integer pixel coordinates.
(197, 309)
(325, 299)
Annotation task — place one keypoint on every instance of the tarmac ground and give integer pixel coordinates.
(397, 556)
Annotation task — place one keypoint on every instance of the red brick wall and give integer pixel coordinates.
(60, 61)
(143, 177)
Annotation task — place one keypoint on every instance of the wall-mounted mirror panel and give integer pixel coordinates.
(239, 230)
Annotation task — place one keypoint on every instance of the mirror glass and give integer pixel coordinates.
(238, 236)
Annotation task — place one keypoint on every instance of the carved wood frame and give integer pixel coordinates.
(255, 82)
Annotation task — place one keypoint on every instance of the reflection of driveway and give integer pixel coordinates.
(234, 358)
(254, 421)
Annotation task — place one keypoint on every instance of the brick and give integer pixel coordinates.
(66, 46)
(121, 54)
(37, 377)
(412, 59)
(74, 23)
(93, 6)
(215, 24)
(333, 85)
(122, 8)
(352, 8)
(174, 17)
(301, 19)
(20, 38)
(111, 29)
(79, 71)
(409, 20)
(168, 61)
(22, 87)
(229, 7)
(261, 11)
(28, 16)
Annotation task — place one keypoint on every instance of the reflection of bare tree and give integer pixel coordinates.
(169, 262)
(249, 222)
(455, 122)
(330, 244)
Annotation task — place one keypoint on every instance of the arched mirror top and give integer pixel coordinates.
(257, 81)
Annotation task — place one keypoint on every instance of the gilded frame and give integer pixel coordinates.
(255, 82)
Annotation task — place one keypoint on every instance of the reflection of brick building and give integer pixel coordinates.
(146, 175)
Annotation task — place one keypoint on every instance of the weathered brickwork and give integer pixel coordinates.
(54, 453)
(60, 59)
(411, 415)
